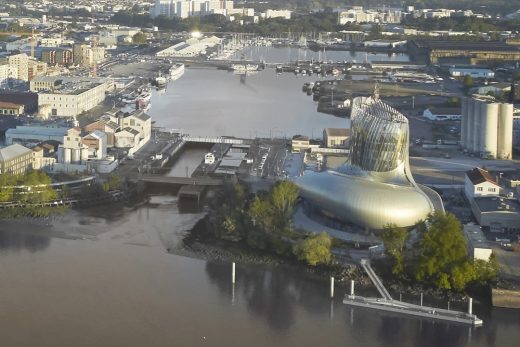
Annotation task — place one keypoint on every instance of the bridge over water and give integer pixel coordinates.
(196, 181)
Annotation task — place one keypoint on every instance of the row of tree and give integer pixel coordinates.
(437, 256)
(32, 187)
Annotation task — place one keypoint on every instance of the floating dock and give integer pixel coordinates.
(413, 310)
(390, 305)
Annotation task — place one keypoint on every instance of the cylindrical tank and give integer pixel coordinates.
(477, 121)
(66, 155)
(470, 124)
(84, 154)
(75, 157)
(60, 154)
(463, 122)
(505, 132)
(488, 130)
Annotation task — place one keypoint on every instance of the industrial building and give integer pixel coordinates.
(15, 159)
(24, 134)
(492, 206)
(499, 213)
(468, 52)
(478, 247)
(73, 150)
(473, 71)
(374, 187)
(487, 127)
(190, 48)
(68, 97)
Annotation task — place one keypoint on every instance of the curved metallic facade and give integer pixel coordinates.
(375, 186)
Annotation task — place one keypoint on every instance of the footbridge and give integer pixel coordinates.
(197, 181)
(209, 139)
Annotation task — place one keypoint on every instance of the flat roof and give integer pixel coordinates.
(46, 131)
(497, 204)
(13, 151)
(475, 236)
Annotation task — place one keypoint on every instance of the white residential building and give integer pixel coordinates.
(7, 73)
(478, 182)
(21, 63)
(286, 14)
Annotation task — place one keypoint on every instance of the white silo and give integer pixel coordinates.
(470, 124)
(477, 121)
(75, 157)
(505, 132)
(489, 130)
(66, 155)
(60, 154)
(84, 154)
(464, 121)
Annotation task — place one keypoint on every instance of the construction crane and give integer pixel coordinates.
(33, 43)
(94, 56)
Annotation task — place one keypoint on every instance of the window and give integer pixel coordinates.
(479, 189)
(491, 190)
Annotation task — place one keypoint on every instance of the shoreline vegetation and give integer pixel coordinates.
(32, 195)
(231, 232)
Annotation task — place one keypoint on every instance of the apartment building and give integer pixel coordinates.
(15, 159)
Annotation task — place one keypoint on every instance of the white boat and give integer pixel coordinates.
(176, 71)
(160, 81)
(244, 67)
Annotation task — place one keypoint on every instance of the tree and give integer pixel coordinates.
(6, 187)
(468, 81)
(315, 249)
(486, 271)
(283, 198)
(114, 181)
(442, 258)
(394, 238)
(139, 38)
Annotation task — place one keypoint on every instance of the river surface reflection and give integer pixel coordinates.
(104, 276)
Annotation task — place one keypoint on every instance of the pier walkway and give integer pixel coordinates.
(375, 279)
(390, 305)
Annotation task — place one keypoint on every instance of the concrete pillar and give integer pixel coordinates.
(332, 287)
(352, 287)
(470, 305)
(233, 273)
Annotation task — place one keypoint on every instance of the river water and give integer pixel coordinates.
(106, 276)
